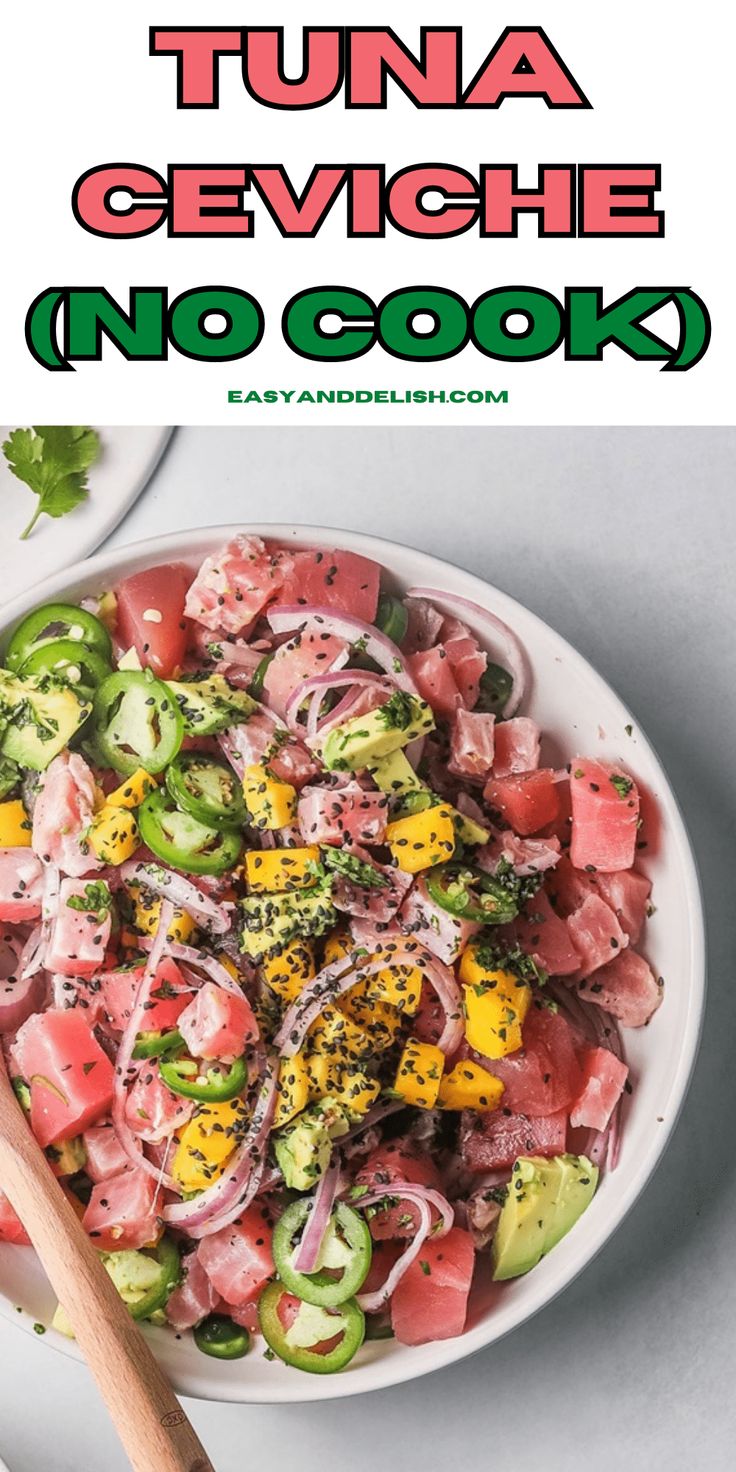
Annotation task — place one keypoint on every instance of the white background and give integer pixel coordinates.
(617, 538)
(80, 90)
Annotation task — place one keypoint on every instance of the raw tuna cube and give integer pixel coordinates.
(105, 1155)
(604, 1076)
(526, 802)
(170, 994)
(494, 1141)
(544, 1076)
(11, 1226)
(517, 746)
(62, 814)
(628, 895)
(70, 1077)
(122, 1212)
(472, 745)
(431, 1300)
(439, 931)
(332, 579)
(238, 1259)
(339, 815)
(435, 680)
(526, 855)
(21, 885)
(596, 933)
(467, 660)
(368, 902)
(398, 1160)
(194, 1298)
(306, 655)
(151, 1110)
(79, 937)
(626, 987)
(544, 935)
(424, 625)
(605, 816)
(234, 585)
(264, 737)
(217, 1024)
(159, 641)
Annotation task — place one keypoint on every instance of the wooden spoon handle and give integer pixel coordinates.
(151, 1424)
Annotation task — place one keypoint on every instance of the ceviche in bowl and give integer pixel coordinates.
(351, 952)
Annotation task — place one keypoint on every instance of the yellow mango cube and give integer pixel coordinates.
(276, 870)
(113, 835)
(338, 1037)
(15, 825)
(356, 1090)
(337, 945)
(400, 986)
(146, 910)
(377, 1018)
(468, 1086)
(292, 1092)
(419, 1074)
(288, 970)
(495, 1003)
(270, 802)
(131, 792)
(207, 1142)
(423, 839)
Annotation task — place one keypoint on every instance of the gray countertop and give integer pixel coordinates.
(624, 540)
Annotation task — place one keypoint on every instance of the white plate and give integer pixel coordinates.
(127, 460)
(580, 713)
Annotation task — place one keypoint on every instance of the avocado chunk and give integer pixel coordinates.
(544, 1200)
(303, 1150)
(270, 921)
(39, 714)
(211, 705)
(408, 794)
(364, 739)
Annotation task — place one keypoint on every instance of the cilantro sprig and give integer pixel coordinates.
(52, 460)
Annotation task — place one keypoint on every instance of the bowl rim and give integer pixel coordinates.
(384, 1373)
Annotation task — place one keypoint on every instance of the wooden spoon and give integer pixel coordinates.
(150, 1422)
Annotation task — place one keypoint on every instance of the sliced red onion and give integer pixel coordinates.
(243, 655)
(131, 1142)
(233, 1191)
(34, 951)
(317, 686)
(180, 890)
(306, 1257)
(32, 954)
(422, 1197)
(194, 957)
(513, 650)
(344, 626)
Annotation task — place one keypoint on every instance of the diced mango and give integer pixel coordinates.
(399, 986)
(292, 1091)
(377, 1018)
(146, 910)
(207, 1142)
(337, 945)
(423, 839)
(15, 825)
(347, 1083)
(278, 870)
(419, 1074)
(131, 792)
(468, 1086)
(270, 802)
(338, 1037)
(288, 970)
(113, 835)
(496, 1003)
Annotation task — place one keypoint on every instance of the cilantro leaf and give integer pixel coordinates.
(52, 460)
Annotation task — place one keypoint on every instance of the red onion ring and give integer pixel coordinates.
(306, 1257)
(317, 685)
(130, 1142)
(194, 957)
(34, 951)
(374, 644)
(513, 650)
(233, 1191)
(178, 889)
(421, 1197)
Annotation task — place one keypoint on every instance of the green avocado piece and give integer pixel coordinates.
(132, 1272)
(39, 714)
(304, 1148)
(545, 1198)
(270, 921)
(408, 794)
(69, 1156)
(211, 705)
(366, 739)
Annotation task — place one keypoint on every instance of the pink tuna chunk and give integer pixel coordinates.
(79, 937)
(472, 745)
(517, 746)
(339, 815)
(626, 987)
(217, 1024)
(604, 1076)
(605, 816)
(63, 812)
(595, 933)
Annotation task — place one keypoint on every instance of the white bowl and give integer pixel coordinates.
(579, 714)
